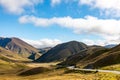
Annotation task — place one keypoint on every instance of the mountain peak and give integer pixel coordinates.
(62, 51)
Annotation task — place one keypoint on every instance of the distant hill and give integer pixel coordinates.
(44, 50)
(18, 46)
(62, 51)
(110, 45)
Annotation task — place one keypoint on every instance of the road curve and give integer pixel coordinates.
(108, 71)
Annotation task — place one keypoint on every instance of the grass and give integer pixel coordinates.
(48, 65)
(44, 71)
(11, 68)
(108, 76)
(60, 74)
(112, 67)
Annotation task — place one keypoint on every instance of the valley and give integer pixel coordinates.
(55, 74)
(53, 65)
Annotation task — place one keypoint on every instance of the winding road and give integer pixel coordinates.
(94, 70)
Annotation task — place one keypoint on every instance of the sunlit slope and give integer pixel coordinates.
(18, 46)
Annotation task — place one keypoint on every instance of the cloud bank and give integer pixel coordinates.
(43, 42)
(107, 7)
(18, 6)
(88, 24)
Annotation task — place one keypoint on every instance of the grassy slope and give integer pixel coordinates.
(85, 56)
(10, 62)
(111, 57)
(105, 58)
(8, 55)
(112, 67)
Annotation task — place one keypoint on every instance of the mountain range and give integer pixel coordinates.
(82, 55)
(69, 53)
(94, 57)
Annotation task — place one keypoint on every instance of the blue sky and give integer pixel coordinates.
(44, 23)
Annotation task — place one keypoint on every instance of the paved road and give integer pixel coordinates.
(94, 70)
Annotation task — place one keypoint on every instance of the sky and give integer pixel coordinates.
(46, 23)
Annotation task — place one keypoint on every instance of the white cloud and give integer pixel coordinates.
(106, 28)
(55, 2)
(109, 7)
(92, 42)
(18, 6)
(88, 24)
(43, 42)
(101, 42)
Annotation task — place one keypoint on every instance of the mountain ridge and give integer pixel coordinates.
(61, 51)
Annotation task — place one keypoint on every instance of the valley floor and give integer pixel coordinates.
(58, 74)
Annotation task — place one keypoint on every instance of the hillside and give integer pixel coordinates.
(10, 62)
(109, 58)
(84, 56)
(94, 57)
(18, 46)
(62, 51)
(9, 56)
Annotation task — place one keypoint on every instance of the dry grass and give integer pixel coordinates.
(52, 75)
(60, 74)
(56, 74)
(48, 65)
(112, 67)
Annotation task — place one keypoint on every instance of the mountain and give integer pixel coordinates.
(84, 56)
(94, 57)
(109, 58)
(18, 46)
(62, 51)
(110, 45)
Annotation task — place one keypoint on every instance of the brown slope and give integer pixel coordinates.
(84, 56)
(109, 58)
(62, 51)
(7, 55)
(18, 46)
